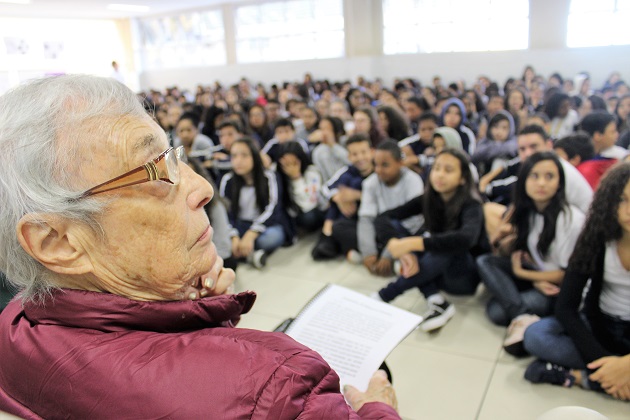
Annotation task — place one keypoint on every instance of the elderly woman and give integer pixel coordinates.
(124, 310)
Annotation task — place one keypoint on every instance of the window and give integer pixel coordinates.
(596, 23)
(185, 40)
(289, 30)
(425, 26)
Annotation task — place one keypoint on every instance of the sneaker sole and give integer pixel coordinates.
(439, 321)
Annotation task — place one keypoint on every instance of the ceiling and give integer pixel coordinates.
(97, 9)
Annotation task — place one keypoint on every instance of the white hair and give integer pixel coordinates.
(42, 125)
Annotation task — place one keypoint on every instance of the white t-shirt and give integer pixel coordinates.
(576, 188)
(568, 227)
(615, 296)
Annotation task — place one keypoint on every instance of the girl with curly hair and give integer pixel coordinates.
(589, 345)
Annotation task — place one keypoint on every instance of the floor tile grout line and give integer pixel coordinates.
(485, 393)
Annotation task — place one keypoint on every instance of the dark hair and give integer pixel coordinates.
(391, 146)
(209, 125)
(597, 103)
(576, 144)
(293, 148)
(596, 122)
(524, 206)
(263, 133)
(517, 90)
(534, 129)
(497, 118)
(398, 128)
(440, 216)
(358, 138)
(552, 105)
(283, 122)
(260, 180)
(420, 102)
(234, 124)
(190, 116)
(337, 125)
(602, 224)
(375, 133)
(428, 115)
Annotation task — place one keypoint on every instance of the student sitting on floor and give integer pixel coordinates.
(588, 341)
(524, 284)
(441, 255)
(391, 185)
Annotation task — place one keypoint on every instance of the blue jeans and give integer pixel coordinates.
(311, 220)
(271, 239)
(548, 340)
(511, 296)
(454, 273)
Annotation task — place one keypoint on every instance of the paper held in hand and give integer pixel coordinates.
(352, 332)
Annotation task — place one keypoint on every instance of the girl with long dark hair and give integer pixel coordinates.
(440, 256)
(258, 223)
(588, 341)
(525, 284)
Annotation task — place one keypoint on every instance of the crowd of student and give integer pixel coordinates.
(520, 187)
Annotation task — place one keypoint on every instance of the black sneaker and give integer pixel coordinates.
(540, 371)
(437, 316)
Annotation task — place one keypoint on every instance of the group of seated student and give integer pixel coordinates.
(522, 189)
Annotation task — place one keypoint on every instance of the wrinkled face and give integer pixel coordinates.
(453, 117)
(242, 160)
(157, 236)
(186, 131)
(500, 131)
(386, 167)
(528, 144)
(426, 129)
(542, 183)
(446, 174)
(227, 137)
(362, 123)
(284, 134)
(623, 212)
(308, 118)
(361, 155)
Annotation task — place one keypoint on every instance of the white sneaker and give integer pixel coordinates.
(397, 267)
(259, 258)
(513, 343)
(354, 257)
(437, 316)
(376, 296)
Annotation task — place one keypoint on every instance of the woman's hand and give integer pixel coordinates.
(397, 247)
(613, 373)
(409, 265)
(236, 241)
(218, 281)
(379, 390)
(290, 165)
(547, 288)
(246, 246)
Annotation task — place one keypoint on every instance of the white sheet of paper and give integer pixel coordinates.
(352, 332)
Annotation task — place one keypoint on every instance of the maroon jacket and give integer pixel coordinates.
(96, 355)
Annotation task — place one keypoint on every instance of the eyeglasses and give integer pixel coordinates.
(163, 168)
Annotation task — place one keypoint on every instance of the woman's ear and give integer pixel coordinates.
(54, 243)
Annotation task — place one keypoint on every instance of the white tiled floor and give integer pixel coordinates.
(460, 372)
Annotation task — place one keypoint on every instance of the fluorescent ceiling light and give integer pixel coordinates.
(16, 1)
(127, 8)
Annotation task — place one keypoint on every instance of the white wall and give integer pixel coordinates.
(500, 65)
(364, 31)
